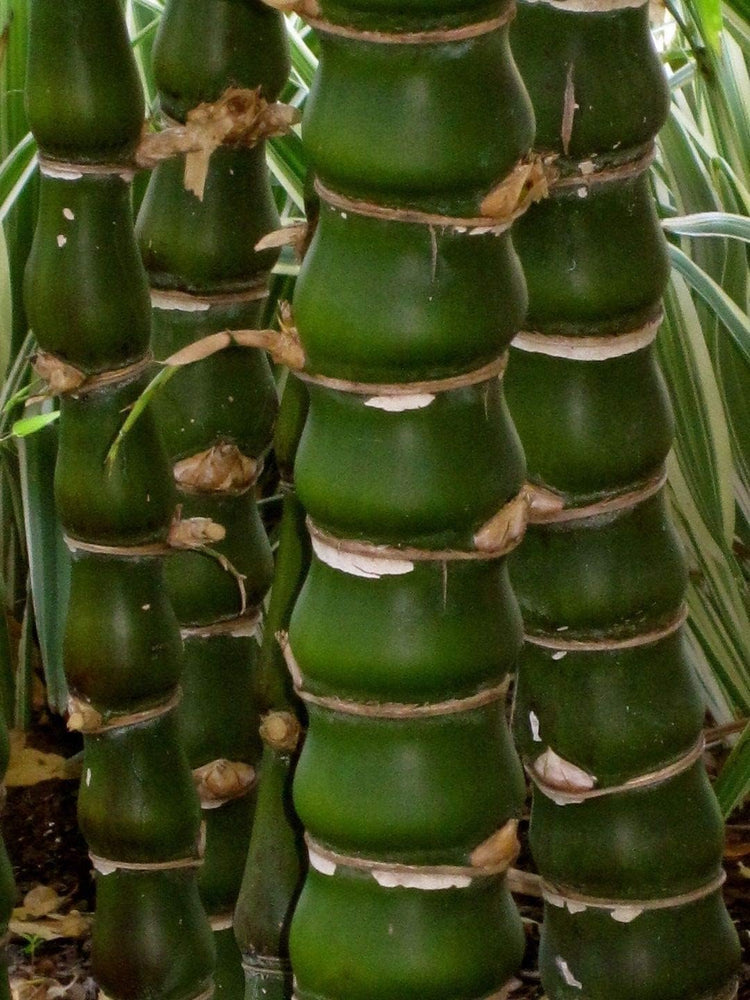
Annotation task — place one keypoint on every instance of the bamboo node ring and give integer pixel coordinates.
(625, 910)
(496, 538)
(106, 866)
(547, 507)
(391, 874)
(65, 379)
(438, 36)
(570, 789)
(589, 348)
(599, 644)
(494, 369)
(397, 710)
(84, 718)
(526, 183)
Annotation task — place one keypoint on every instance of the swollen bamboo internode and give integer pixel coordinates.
(625, 831)
(87, 301)
(405, 631)
(216, 60)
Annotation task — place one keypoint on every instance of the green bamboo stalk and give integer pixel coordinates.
(409, 470)
(217, 415)
(87, 300)
(276, 855)
(625, 830)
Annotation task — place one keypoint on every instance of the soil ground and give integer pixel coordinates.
(42, 838)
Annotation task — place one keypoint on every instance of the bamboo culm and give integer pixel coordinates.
(624, 829)
(410, 471)
(276, 856)
(217, 416)
(87, 302)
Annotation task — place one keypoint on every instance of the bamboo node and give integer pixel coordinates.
(84, 718)
(548, 507)
(596, 644)
(625, 910)
(59, 376)
(499, 851)
(222, 468)
(65, 379)
(239, 117)
(589, 347)
(528, 182)
(221, 781)
(395, 874)
(281, 731)
(487, 373)
(303, 8)
(567, 784)
(436, 36)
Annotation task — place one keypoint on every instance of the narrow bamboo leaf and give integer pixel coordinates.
(733, 783)
(48, 555)
(25, 674)
(30, 425)
(709, 17)
(709, 224)
(702, 444)
(736, 322)
(155, 385)
(7, 671)
(6, 306)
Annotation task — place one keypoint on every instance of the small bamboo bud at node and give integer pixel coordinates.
(219, 469)
(542, 502)
(559, 773)
(280, 731)
(194, 532)
(506, 529)
(59, 376)
(82, 717)
(222, 780)
(304, 8)
(526, 183)
(500, 850)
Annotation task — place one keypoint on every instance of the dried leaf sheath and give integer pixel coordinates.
(219, 67)
(625, 831)
(87, 300)
(405, 629)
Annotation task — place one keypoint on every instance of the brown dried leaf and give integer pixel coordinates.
(500, 850)
(41, 900)
(59, 376)
(195, 532)
(29, 766)
(526, 183)
(218, 469)
(506, 528)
